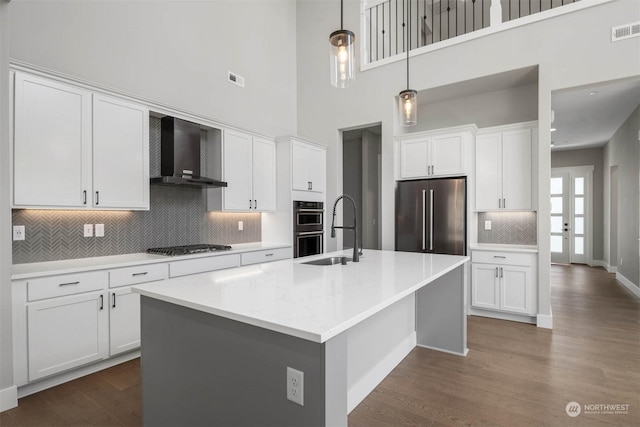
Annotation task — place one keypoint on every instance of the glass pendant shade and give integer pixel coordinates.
(408, 107)
(342, 58)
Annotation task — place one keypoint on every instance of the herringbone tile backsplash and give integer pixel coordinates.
(177, 216)
(508, 228)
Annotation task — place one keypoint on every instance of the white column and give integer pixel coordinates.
(495, 13)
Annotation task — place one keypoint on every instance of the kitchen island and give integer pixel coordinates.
(216, 346)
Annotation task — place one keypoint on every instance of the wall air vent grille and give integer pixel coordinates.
(626, 31)
(236, 79)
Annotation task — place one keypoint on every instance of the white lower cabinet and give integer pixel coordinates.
(65, 333)
(502, 281)
(124, 320)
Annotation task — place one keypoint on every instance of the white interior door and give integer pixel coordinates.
(571, 190)
(560, 206)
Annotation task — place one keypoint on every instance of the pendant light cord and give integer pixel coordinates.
(341, 14)
(408, 39)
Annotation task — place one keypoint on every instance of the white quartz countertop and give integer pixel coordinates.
(39, 269)
(504, 248)
(307, 301)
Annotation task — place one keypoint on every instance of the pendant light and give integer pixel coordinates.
(342, 55)
(408, 99)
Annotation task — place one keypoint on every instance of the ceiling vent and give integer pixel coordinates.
(626, 31)
(236, 79)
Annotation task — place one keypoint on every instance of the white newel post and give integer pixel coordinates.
(495, 13)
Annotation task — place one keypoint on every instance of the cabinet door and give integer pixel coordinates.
(120, 154)
(299, 169)
(488, 172)
(317, 168)
(238, 195)
(414, 156)
(66, 332)
(264, 174)
(124, 321)
(516, 290)
(516, 166)
(52, 143)
(447, 155)
(485, 289)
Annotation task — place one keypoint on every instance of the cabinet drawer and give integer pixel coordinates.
(201, 265)
(503, 258)
(138, 274)
(265, 256)
(68, 284)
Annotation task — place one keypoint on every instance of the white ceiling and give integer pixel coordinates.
(589, 116)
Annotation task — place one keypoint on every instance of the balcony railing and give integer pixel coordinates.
(392, 26)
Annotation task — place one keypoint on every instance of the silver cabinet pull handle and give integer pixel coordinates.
(498, 256)
(69, 284)
(431, 221)
(97, 198)
(424, 218)
(84, 197)
(501, 272)
(101, 302)
(268, 254)
(504, 203)
(496, 271)
(249, 203)
(140, 274)
(114, 301)
(255, 204)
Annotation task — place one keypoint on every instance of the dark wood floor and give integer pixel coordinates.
(514, 375)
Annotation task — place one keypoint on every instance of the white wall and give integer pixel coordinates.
(581, 56)
(7, 391)
(623, 151)
(172, 52)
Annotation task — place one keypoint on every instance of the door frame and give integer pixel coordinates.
(587, 171)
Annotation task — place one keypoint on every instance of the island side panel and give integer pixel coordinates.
(441, 321)
(200, 369)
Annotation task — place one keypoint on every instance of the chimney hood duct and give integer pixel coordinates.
(180, 156)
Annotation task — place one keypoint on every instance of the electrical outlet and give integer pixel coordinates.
(99, 230)
(240, 225)
(620, 262)
(487, 225)
(18, 232)
(295, 386)
(88, 230)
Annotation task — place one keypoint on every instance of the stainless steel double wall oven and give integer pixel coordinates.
(308, 228)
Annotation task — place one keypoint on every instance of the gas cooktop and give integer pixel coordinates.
(187, 249)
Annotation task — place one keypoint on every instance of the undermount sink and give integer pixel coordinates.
(329, 261)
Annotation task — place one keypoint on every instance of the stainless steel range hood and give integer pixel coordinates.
(180, 156)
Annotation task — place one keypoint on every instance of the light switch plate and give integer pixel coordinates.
(88, 230)
(240, 225)
(487, 225)
(99, 230)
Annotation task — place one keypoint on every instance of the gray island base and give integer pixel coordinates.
(210, 363)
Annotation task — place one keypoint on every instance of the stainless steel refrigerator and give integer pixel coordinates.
(431, 216)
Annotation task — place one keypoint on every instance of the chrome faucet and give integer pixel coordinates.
(356, 255)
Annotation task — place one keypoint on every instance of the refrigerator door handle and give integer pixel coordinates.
(424, 215)
(431, 221)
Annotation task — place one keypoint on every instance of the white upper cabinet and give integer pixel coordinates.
(52, 143)
(249, 168)
(435, 153)
(75, 149)
(504, 176)
(120, 154)
(309, 167)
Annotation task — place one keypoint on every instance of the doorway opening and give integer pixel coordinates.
(361, 179)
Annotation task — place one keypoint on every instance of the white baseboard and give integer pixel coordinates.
(603, 264)
(358, 391)
(628, 284)
(512, 317)
(545, 321)
(8, 398)
(455, 353)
